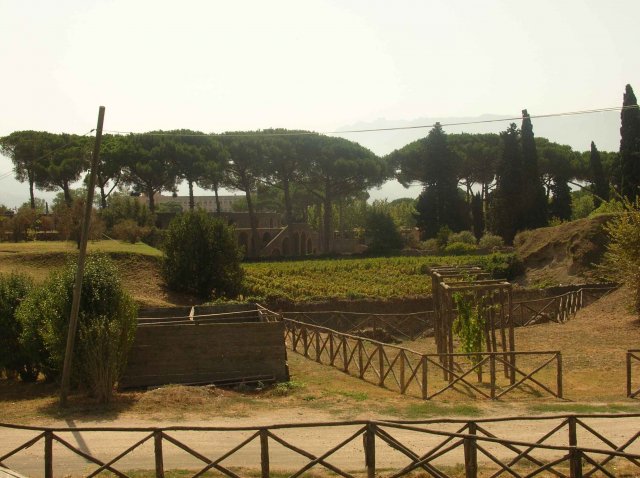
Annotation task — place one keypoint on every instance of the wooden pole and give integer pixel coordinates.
(471, 453)
(264, 453)
(370, 449)
(629, 374)
(48, 454)
(157, 447)
(75, 305)
(559, 374)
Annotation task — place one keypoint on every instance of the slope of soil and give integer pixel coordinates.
(562, 254)
(139, 266)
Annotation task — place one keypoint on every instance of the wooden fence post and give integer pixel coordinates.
(370, 450)
(345, 359)
(559, 373)
(402, 378)
(492, 375)
(305, 342)
(575, 463)
(629, 374)
(381, 364)
(157, 447)
(318, 345)
(360, 359)
(332, 355)
(48, 454)
(575, 455)
(425, 377)
(471, 453)
(264, 452)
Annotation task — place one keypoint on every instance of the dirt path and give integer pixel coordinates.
(317, 440)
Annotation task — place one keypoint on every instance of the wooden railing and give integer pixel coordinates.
(557, 309)
(426, 375)
(569, 446)
(633, 358)
(409, 326)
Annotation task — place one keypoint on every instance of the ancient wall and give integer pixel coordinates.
(206, 353)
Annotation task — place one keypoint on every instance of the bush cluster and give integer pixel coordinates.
(14, 288)
(459, 248)
(382, 233)
(201, 257)
(106, 327)
(622, 259)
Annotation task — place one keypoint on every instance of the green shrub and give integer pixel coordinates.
(122, 207)
(129, 230)
(622, 259)
(465, 237)
(202, 257)
(430, 245)
(491, 241)
(609, 207)
(382, 233)
(502, 266)
(442, 236)
(106, 325)
(153, 236)
(14, 288)
(459, 249)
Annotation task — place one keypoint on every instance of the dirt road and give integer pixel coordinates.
(317, 441)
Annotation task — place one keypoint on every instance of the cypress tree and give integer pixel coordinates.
(600, 183)
(533, 197)
(560, 206)
(629, 146)
(505, 213)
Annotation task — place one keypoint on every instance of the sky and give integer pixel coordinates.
(321, 65)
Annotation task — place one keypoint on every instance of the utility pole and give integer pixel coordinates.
(84, 236)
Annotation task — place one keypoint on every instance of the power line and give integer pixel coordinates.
(393, 128)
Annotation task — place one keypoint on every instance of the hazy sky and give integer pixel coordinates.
(312, 64)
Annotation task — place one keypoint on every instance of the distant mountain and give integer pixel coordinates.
(577, 130)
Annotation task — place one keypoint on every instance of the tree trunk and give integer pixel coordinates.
(152, 202)
(103, 197)
(253, 223)
(192, 203)
(288, 207)
(67, 193)
(215, 192)
(31, 194)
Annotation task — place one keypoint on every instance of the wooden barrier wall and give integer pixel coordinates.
(206, 353)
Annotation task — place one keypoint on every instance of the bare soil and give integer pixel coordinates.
(563, 254)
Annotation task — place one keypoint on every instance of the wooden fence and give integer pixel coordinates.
(557, 309)
(569, 446)
(633, 358)
(427, 375)
(410, 326)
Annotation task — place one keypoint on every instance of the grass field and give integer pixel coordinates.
(293, 281)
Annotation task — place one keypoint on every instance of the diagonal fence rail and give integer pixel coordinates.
(428, 375)
(571, 446)
(559, 308)
(633, 363)
(405, 326)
